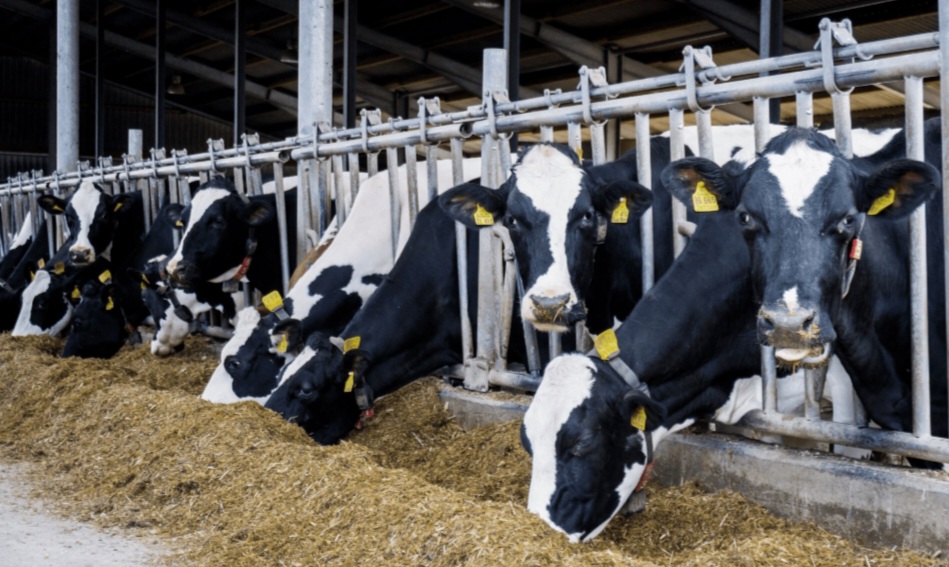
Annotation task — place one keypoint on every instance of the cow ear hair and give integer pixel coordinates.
(121, 202)
(51, 204)
(293, 330)
(683, 177)
(256, 213)
(173, 212)
(608, 195)
(463, 202)
(655, 412)
(897, 188)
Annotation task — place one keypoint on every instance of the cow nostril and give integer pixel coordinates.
(766, 322)
(550, 303)
(808, 321)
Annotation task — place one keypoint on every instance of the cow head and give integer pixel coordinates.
(586, 457)
(98, 326)
(91, 217)
(801, 206)
(312, 391)
(554, 211)
(218, 232)
(44, 307)
(248, 369)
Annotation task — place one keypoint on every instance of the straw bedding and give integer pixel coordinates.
(127, 442)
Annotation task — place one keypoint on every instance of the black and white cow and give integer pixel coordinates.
(19, 246)
(411, 327)
(100, 226)
(29, 252)
(99, 328)
(223, 232)
(332, 289)
(802, 208)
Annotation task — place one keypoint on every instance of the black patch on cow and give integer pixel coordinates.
(373, 279)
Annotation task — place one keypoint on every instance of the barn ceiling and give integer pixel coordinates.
(412, 48)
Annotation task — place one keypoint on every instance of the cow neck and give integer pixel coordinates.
(853, 256)
(250, 247)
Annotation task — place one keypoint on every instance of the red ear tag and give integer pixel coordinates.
(856, 249)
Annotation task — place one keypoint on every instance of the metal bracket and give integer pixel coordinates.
(426, 108)
(489, 101)
(157, 155)
(248, 141)
(551, 93)
(174, 162)
(104, 162)
(596, 78)
(318, 130)
(214, 146)
(692, 58)
(83, 167)
(841, 31)
(366, 118)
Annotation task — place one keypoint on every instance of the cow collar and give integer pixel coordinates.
(248, 256)
(606, 347)
(854, 255)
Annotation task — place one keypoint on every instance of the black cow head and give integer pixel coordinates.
(801, 205)
(586, 456)
(248, 368)
(312, 391)
(98, 328)
(216, 239)
(553, 210)
(91, 217)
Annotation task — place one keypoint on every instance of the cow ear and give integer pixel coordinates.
(895, 189)
(525, 441)
(52, 205)
(172, 212)
(121, 202)
(289, 335)
(701, 185)
(608, 196)
(256, 213)
(635, 403)
(474, 205)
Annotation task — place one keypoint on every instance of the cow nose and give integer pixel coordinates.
(549, 308)
(80, 256)
(798, 324)
(184, 274)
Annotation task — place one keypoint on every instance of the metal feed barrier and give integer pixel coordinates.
(698, 87)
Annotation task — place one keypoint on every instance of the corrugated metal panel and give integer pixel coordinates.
(12, 163)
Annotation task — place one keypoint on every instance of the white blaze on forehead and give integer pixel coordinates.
(553, 182)
(567, 383)
(203, 201)
(220, 388)
(790, 299)
(798, 171)
(84, 202)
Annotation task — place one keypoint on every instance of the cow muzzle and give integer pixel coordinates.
(81, 256)
(554, 313)
(796, 336)
(184, 276)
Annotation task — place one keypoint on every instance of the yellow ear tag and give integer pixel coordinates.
(350, 382)
(283, 344)
(606, 344)
(105, 276)
(483, 217)
(32, 276)
(109, 306)
(179, 224)
(638, 420)
(143, 285)
(41, 263)
(272, 301)
(702, 200)
(579, 150)
(59, 268)
(76, 294)
(882, 202)
(352, 343)
(57, 209)
(620, 213)
(117, 207)
(145, 279)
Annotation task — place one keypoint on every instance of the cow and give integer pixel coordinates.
(19, 246)
(411, 326)
(330, 292)
(99, 327)
(691, 341)
(29, 252)
(223, 231)
(829, 240)
(100, 226)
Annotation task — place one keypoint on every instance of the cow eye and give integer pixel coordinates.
(584, 445)
(232, 364)
(305, 392)
(744, 218)
(510, 222)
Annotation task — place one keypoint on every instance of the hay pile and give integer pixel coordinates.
(127, 443)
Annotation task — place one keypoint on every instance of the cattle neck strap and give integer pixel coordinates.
(855, 252)
(248, 256)
(181, 311)
(607, 349)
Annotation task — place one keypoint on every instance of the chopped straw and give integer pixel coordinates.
(128, 443)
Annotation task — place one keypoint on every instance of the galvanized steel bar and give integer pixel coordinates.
(554, 344)
(67, 85)
(461, 252)
(842, 123)
(303, 206)
(280, 199)
(598, 142)
(353, 163)
(431, 171)
(644, 171)
(677, 152)
(508, 288)
(762, 110)
(411, 183)
(395, 212)
(703, 123)
(769, 377)
(813, 391)
(918, 269)
(932, 448)
(804, 102)
(547, 134)
(342, 203)
(315, 67)
(575, 138)
(372, 164)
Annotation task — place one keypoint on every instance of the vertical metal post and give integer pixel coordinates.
(240, 68)
(944, 99)
(395, 212)
(160, 80)
(431, 171)
(842, 123)
(804, 101)
(769, 380)
(461, 251)
(547, 134)
(644, 169)
(353, 163)
(762, 121)
(135, 145)
(677, 152)
(575, 138)
(813, 391)
(315, 67)
(598, 142)
(281, 201)
(342, 204)
(703, 123)
(411, 183)
(512, 45)
(372, 164)
(614, 74)
(770, 41)
(100, 80)
(67, 85)
(919, 300)
(349, 62)
(304, 179)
